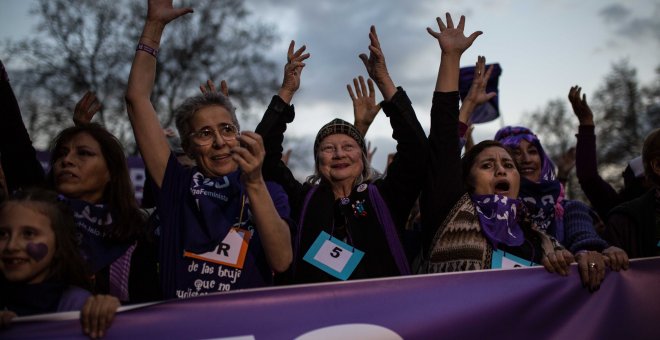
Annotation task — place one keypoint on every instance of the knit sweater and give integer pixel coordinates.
(634, 226)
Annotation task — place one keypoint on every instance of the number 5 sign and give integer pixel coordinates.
(333, 256)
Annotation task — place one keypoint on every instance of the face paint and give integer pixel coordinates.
(37, 251)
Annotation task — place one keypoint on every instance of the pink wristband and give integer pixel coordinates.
(148, 49)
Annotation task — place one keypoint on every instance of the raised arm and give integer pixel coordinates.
(19, 158)
(600, 193)
(444, 185)
(405, 174)
(376, 67)
(292, 72)
(273, 123)
(146, 126)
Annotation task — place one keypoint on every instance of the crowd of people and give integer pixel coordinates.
(226, 213)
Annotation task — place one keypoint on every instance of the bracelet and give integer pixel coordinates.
(148, 49)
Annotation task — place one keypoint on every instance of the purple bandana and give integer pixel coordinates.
(94, 223)
(218, 202)
(544, 203)
(497, 216)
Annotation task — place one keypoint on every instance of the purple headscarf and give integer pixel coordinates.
(547, 213)
(511, 136)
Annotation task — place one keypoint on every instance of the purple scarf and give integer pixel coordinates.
(218, 206)
(94, 223)
(543, 201)
(498, 219)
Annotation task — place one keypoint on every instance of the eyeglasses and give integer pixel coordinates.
(207, 135)
(330, 149)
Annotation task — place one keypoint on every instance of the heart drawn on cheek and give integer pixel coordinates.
(37, 251)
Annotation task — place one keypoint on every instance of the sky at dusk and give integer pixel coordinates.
(543, 48)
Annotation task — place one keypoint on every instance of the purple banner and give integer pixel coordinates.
(512, 304)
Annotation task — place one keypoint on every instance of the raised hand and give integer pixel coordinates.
(580, 107)
(370, 152)
(97, 314)
(250, 156)
(209, 87)
(375, 62)
(376, 67)
(292, 71)
(162, 11)
(365, 107)
(451, 39)
(86, 108)
(477, 94)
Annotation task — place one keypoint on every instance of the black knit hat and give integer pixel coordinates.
(339, 126)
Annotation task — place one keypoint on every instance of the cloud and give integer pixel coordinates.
(637, 28)
(614, 13)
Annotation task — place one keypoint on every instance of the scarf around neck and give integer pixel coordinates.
(217, 208)
(498, 218)
(94, 224)
(544, 203)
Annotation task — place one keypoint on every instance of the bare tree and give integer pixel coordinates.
(619, 116)
(554, 125)
(651, 97)
(624, 112)
(85, 45)
(79, 46)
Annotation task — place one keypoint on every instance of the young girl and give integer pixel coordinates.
(40, 265)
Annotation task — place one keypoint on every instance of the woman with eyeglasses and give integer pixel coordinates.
(222, 226)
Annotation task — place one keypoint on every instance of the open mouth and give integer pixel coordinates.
(502, 187)
(340, 166)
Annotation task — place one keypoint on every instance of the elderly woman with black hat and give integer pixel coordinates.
(348, 221)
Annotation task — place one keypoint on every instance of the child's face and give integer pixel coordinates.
(27, 243)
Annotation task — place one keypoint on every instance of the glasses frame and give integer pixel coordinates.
(196, 138)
